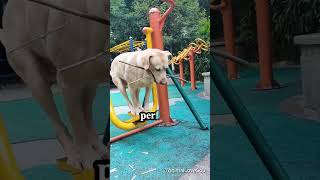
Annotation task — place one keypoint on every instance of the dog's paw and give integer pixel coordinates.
(139, 110)
(98, 146)
(83, 157)
(69, 149)
(132, 110)
(146, 107)
(74, 157)
(101, 149)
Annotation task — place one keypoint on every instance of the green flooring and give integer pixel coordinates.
(160, 148)
(26, 121)
(295, 141)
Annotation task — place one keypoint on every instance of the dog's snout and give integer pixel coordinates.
(163, 82)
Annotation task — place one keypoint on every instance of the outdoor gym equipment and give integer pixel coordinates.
(196, 47)
(154, 40)
(264, 41)
(229, 35)
(10, 171)
(127, 46)
(134, 122)
(156, 23)
(8, 165)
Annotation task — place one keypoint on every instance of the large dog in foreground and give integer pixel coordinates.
(137, 70)
(38, 63)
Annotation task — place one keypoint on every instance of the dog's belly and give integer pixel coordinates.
(146, 82)
(77, 40)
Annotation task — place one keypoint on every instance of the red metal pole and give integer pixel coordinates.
(135, 131)
(229, 36)
(156, 23)
(181, 73)
(264, 45)
(192, 70)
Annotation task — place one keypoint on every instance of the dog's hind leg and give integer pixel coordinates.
(94, 140)
(27, 66)
(146, 99)
(74, 100)
(120, 85)
(135, 100)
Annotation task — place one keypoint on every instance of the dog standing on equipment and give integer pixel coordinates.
(137, 70)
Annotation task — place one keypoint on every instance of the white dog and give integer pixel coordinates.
(38, 63)
(136, 70)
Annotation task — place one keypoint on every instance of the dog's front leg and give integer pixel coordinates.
(135, 99)
(146, 99)
(85, 155)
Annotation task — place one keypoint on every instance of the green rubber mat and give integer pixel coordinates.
(295, 141)
(26, 121)
(162, 148)
(45, 172)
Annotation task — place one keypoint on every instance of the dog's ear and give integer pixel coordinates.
(145, 60)
(167, 53)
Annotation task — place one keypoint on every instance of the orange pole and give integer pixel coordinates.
(192, 70)
(181, 73)
(264, 45)
(229, 37)
(135, 131)
(156, 23)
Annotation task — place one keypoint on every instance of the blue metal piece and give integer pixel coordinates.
(131, 44)
(145, 44)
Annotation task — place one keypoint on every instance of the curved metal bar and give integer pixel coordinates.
(231, 57)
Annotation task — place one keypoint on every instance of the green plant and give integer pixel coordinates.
(202, 64)
(247, 33)
(188, 21)
(216, 31)
(289, 18)
(204, 29)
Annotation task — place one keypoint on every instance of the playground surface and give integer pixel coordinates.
(31, 133)
(181, 146)
(294, 140)
(150, 154)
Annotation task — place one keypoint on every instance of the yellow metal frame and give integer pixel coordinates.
(8, 167)
(198, 46)
(134, 121)
(125, 46)
(10, 171)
